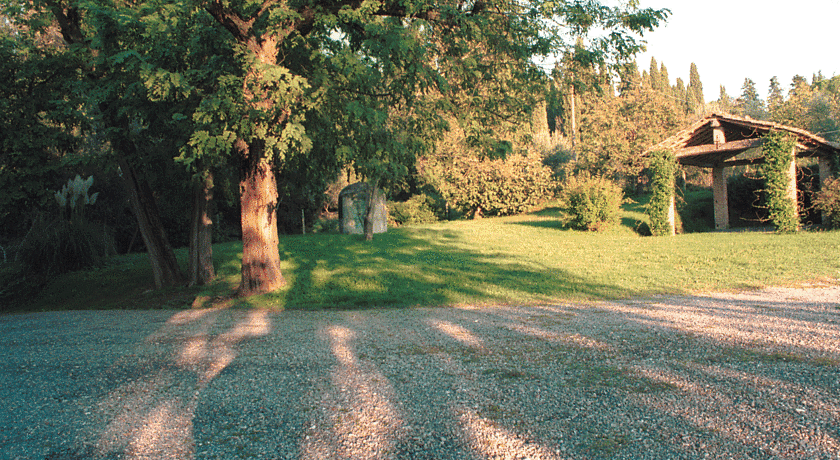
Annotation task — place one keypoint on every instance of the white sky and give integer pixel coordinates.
(730, 40)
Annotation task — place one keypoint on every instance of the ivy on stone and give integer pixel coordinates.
(778, 148)
(663, 168)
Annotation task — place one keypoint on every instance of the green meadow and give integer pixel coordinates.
(523, 259)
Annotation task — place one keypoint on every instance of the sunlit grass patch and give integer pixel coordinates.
(531, 258)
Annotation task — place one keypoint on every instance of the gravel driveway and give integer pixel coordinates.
(745, 375)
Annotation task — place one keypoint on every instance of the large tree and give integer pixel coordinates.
(294, 54)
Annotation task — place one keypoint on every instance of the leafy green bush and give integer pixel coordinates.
(326, 225)
(593, 202)
(492, 187)
(663, 167)
(419, 209)
(827, 201)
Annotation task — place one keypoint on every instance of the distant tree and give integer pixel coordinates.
(749, 104)
(664, 79)
(775, 97)
(695, 91)
(680, 94)
(629, 77)
(655, 75)
(724, 102)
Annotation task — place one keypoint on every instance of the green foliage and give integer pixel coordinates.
(593, 202)
(34, 130)
(778, 155)
(419, 209)
(663, 170)
(747, 197)
(491, 187)
(827, 201)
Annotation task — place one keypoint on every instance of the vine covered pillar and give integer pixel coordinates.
(791, 186)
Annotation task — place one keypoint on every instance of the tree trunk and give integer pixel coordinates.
(369, 211)
(164, 265)
(201, 269)
(258, 198)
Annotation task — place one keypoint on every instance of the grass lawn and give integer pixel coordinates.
(527, 258)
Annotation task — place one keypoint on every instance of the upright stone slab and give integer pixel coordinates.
(352, 206)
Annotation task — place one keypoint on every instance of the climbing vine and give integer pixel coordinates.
(663, 167)
(777, 150)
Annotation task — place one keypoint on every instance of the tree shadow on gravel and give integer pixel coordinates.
(639, 378)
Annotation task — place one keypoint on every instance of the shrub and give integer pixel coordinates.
(419, 209)
(491, 186)
(827, 201)
(593, 202)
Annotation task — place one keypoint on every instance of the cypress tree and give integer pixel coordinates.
(694, 91)
(664, 79)
(681, 95)
(654, 74)
(749, 103)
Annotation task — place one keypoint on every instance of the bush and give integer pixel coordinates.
(419, 209)
(490, 187)
(593, 202)
(827, 201)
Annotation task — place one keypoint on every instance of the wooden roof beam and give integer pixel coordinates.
(734, 146)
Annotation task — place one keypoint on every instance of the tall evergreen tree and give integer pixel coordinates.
(664, 79)
(629, 76)
(695, 97)
(654, 74)
(681, 95)
(724, 103)
(749, 104)
(775, 98)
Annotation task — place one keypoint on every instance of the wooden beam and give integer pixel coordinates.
(733, 146)
(744, 162)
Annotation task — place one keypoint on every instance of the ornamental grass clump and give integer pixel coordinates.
(593, 202)
(65, 241)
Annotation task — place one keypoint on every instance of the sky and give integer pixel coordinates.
(731, 40)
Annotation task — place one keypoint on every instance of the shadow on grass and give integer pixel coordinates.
(415, 267)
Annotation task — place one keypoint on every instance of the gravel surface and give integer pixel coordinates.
(734, 375)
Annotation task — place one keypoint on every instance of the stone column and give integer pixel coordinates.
(672, 213)
(791, 188)
(721, 199)
(825, 173)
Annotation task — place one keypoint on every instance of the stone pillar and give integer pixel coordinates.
(825, 169)
(721, 198)
(825, 173)
(791, 188)
(672, 214)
